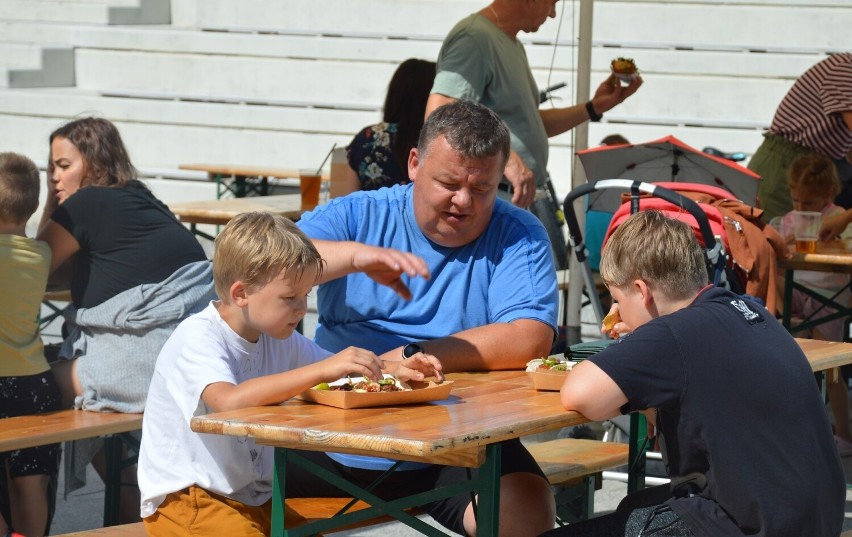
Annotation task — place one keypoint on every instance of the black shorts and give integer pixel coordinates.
(449, 512)
(21, 396)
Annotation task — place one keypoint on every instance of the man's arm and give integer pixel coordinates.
(592, 392)
(492, 347)
(384, 265)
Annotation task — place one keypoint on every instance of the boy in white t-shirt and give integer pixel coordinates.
(243, 351)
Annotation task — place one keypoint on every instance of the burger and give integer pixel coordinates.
(624, 69)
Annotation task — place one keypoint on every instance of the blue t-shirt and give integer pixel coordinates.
(506, 274)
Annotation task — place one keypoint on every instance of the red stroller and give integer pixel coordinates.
(741, 251)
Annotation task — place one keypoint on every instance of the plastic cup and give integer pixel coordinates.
(807, 230)
(309, 186)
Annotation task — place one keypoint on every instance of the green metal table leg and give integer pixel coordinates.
(636, 455)
(488, 516)
(278, 483)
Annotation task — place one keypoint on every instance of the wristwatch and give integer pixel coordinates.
(410, 350)
(594, 117)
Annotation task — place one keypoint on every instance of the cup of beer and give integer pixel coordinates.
(309, 186)
(807, 230)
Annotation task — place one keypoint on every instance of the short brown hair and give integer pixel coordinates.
(659, 250)
(816, 174)
(105, 159)
(256, 247)
(19, 187)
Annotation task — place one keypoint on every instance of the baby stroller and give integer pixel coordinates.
(741, 251)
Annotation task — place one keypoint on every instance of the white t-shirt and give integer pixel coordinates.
(203, 350)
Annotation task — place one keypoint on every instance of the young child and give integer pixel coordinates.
(26, 384)
(725, 381)
(241, 351)
(813, 184)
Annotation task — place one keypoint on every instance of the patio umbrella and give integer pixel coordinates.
(665, 160)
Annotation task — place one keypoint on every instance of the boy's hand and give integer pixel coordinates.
(417, 367)
(386, 266)
(353, 361)
(612, 324)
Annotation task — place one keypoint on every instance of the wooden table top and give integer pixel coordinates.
(831, 256)
(237, 170)
(222, 210)
(483, 408)
(41, 429)
(824, 355)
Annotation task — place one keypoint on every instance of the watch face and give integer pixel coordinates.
(410, 350)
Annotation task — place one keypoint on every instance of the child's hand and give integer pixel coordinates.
(418, 367)
(353, 361)
(612, 324)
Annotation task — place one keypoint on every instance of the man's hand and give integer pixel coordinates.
(522, 180)
(386, 266)
(417, 367)
(611, 93)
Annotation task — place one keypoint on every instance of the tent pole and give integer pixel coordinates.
(581, 141)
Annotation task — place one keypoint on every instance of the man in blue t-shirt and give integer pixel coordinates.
(723, 382)
(487, 298)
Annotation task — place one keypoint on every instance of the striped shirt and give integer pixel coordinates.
(810, 115)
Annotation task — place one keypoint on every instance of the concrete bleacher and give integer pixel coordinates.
(277, 83)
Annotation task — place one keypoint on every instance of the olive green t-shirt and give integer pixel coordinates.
(479, 62)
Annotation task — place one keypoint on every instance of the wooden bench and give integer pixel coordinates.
(574, 467)
(66, 425)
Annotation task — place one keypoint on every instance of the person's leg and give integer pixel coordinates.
(65, 373)
(129, 500)
(527, 505)
(608, 525)
(195, 511)
(27, 501)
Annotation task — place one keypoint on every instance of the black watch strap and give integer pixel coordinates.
(410, 350)
(593, 116)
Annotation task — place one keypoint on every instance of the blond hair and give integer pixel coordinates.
(254, 248)
(815, 174)
(659, 250)
(19, 186)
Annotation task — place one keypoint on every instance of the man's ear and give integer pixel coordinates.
(641, 287)
(413, 163)
(238, 294)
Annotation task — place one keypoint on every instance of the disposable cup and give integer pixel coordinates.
(309, 186)
(807, 230)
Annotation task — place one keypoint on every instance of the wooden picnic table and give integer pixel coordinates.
(464, 430)
(221, 211)
(831, 256)
(242, 180)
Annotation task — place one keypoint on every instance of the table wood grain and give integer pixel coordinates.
(221, 211)
(824, 355)
(831, 256)
(483, 408)
(41, 429)
(240, 170)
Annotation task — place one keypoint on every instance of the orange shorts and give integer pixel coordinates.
(195, 511)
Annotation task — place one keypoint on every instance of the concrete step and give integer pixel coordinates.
(27, 65)
(88, 11)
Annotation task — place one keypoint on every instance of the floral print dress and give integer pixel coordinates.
(371, 156)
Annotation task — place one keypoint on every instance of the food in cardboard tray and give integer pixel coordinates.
(550, 363)
(387, 384)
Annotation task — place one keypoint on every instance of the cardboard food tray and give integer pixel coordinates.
(421, 392)
(547, 380)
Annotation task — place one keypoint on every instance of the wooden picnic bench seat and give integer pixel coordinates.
(573, 466)
(66, 425)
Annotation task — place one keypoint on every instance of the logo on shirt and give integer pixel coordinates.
(748, 314)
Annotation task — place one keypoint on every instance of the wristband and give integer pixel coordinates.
(593, 116)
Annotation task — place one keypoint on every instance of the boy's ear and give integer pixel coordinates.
(238, 294)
